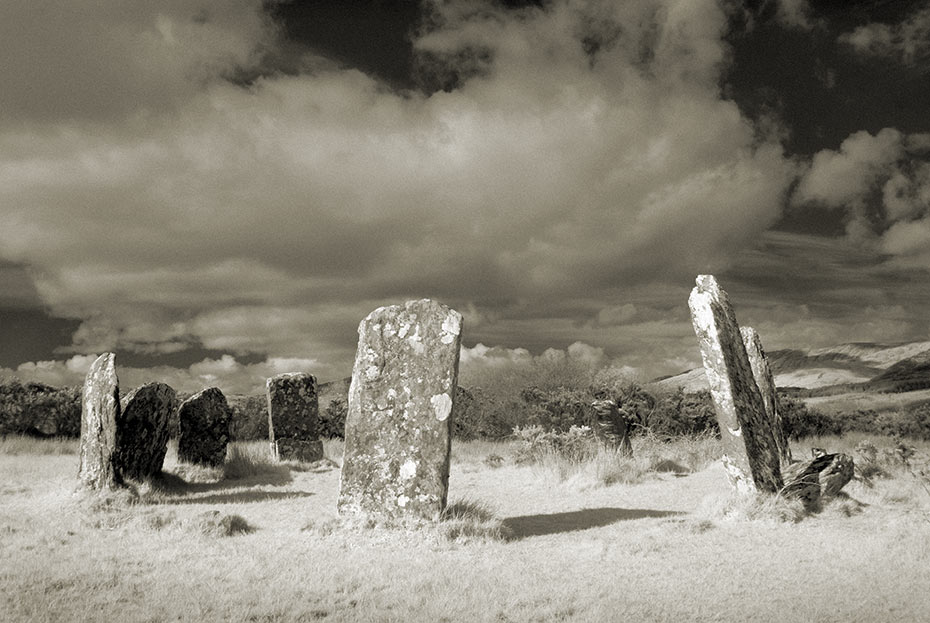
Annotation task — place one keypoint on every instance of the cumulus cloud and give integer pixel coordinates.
(908, 41)
(586, 146)
(883, 182)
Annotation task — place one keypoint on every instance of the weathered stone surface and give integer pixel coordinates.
(611, 426)
(836, 475)
(100, 410)
(398, 429)
(142, 430)
(204, 420)
(765, 381)
(293, 415)
(750, 452)
(821, 477)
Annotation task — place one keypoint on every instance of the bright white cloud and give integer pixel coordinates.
(272, 219)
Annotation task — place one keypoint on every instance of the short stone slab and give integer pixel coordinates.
(142, 430)
(100, 410)
(204, 420)
(398, 427)
(750, 453)
(765, 381)
(293, 417)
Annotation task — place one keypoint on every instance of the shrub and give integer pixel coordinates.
(534, 444)
(801, 421)
(332, 423)
(249, 418)
(39, 410)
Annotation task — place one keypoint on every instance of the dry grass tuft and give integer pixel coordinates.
(217, 524)
(466, 521)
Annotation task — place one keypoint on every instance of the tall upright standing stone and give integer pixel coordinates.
(100, 410)
(750, 451)
(766, 384)
(203, 421)
(293, 417)
(142, 430)
(398, 429)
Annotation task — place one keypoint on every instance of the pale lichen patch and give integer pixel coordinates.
(442, 406)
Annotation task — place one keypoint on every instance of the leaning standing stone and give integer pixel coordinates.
(398, 428)
(766, 384)
(100, 410)
(142, 430)
(204, 428)
(293, 414)
(750, 452)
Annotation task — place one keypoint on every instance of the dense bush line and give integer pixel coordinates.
(492, 411)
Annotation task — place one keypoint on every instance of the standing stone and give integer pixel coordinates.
(293, 414)
(750, 452)
(100, 410)
(204, 420)
(766, 384)
(398, 428)
(142, 431)
(610, 425)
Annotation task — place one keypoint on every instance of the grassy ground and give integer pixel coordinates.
(260, 541)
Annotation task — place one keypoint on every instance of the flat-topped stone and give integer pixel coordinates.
(398, 427)
(293, 417)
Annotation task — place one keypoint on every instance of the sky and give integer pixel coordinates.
(220, 191)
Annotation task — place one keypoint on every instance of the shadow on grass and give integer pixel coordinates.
(168, 483)
(238, 497)
(556, 523)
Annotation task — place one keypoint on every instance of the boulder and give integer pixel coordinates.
(293, 417)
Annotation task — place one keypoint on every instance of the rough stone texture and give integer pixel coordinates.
(821, 477)
(142, 430)
(750, 452)
(835, 476)
(398, 429)
(204, 420)
(765, 381)
(293, 415)
(610, 426)
(100, 410)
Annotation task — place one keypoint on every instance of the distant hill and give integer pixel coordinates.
(857, 367)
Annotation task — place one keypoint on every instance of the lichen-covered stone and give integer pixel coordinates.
(100, 410)
(142, 430)
(751, 454)
(293, 414)
(398, 428)
(765, 381)
(204, 420)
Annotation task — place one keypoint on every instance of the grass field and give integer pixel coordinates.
(259, 541)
